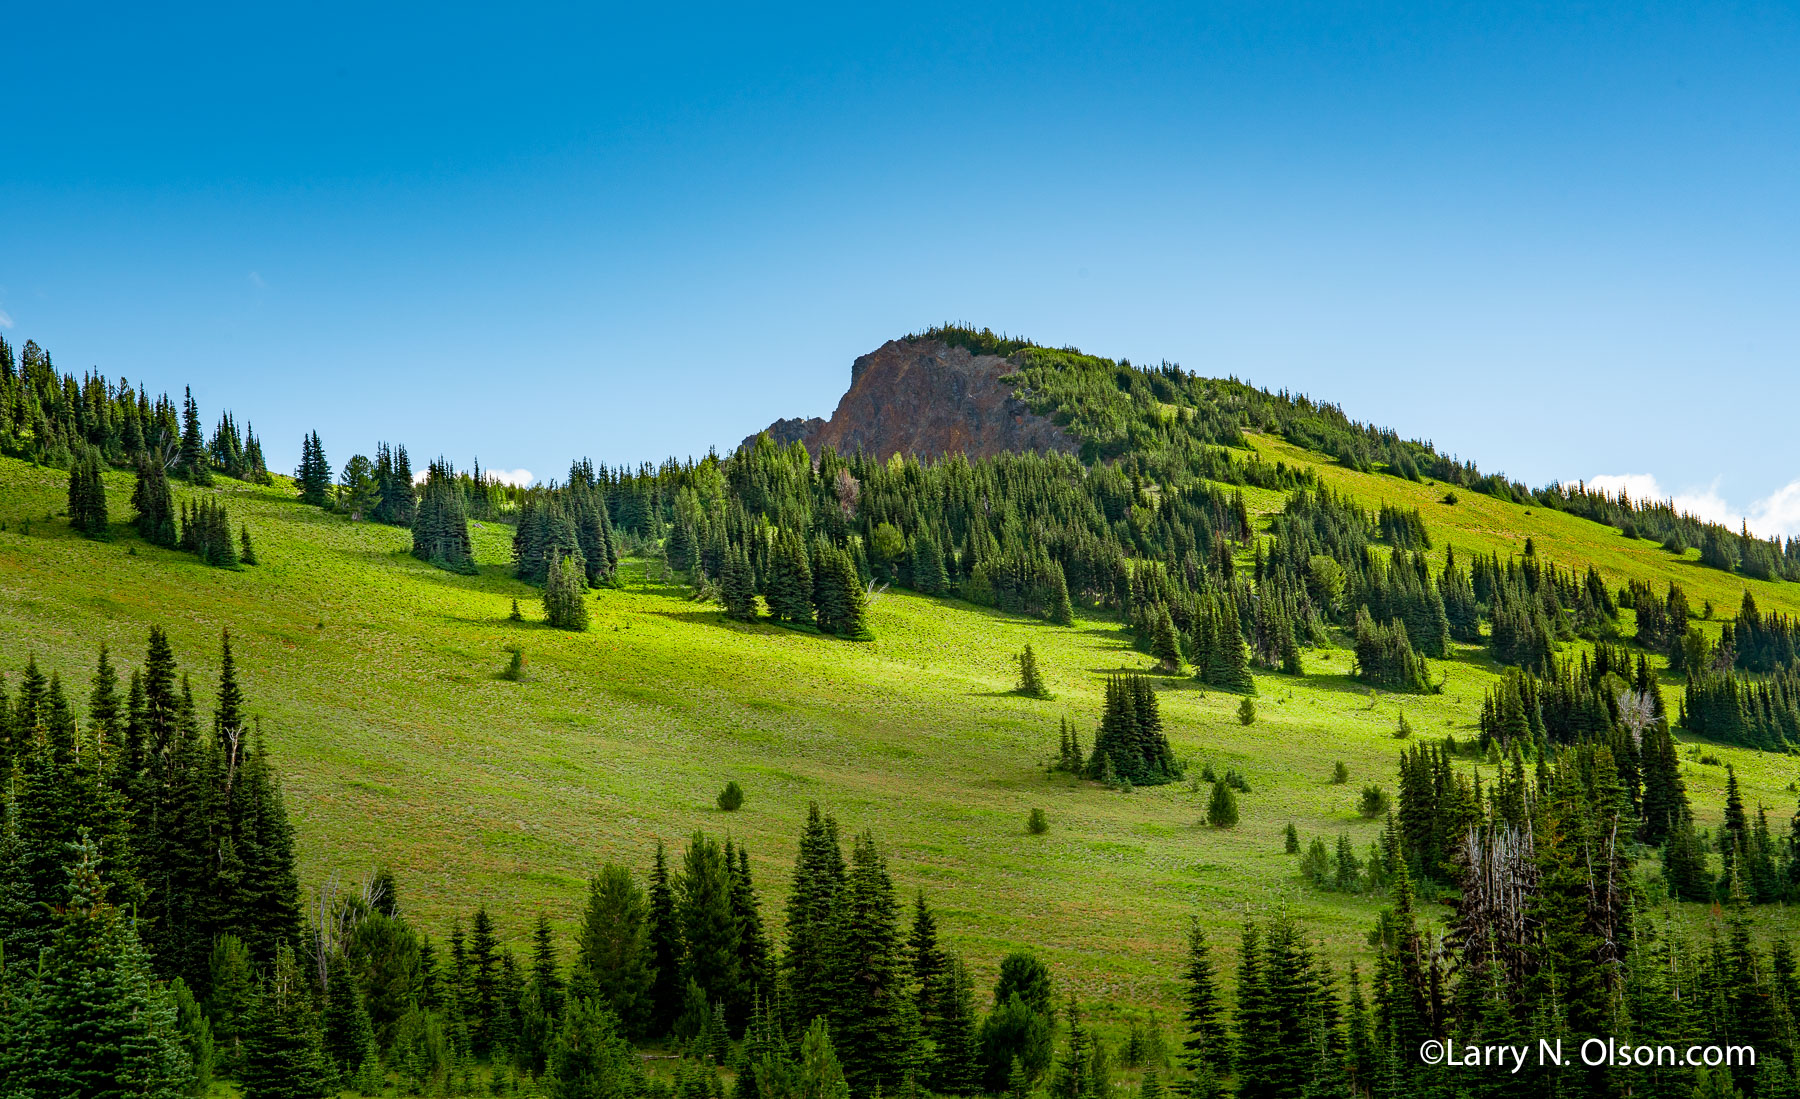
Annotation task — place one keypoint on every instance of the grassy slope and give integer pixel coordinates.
(373, 675)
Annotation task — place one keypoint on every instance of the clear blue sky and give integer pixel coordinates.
(626, 234)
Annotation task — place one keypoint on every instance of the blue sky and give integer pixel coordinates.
(626, 234)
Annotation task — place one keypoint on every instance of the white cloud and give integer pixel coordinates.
(518, 477)
(1777, 513)
(6, 320)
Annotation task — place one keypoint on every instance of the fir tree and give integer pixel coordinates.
(91, 1020)
(192, 462)
(737, 586)
(665, 949)
(282, 1056)
(1031, 680)
(154, 505)
(441, 524)
(1222, 810)
(564, 607)
(314, 474)
(87, 496)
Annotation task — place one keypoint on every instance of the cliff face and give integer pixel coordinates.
(926, 398)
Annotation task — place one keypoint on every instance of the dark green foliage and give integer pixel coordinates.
(789, 589)
(737, 586)
(358, 490)
(1216, 645)
(1016, 1035)
(1222, 809)
(731, 799)
(206, 532)
(1206, 1045)
(1069, 757)
(87, 1018)
(840, 604)
(665, 949)
(1031, 680)
(246, 551)
(348, 1050)
(314, 475)
(1246, 711)
(154, 505)
(614, 949)
(564, 605)
(1131, 743)
(282, 1056)
(590, 1058)
(1036, 823)
(1373, 802)
(396, 500)
(440, 524)
(1385, 657)
(87, 495)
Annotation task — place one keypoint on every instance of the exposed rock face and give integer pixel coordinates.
(926, 398)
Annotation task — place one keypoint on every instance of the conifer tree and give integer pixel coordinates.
(873, 1017)
(87, 495)
(1031, 680)
(90, 1019)
(314, 474)
(1206, 1046)
(790, 584)
(812, 919)
(564, 607)
(1221, 810)
(348, 1045)
(154, 505)
(192, 460)
(441, 524)
(282, 1055)
(737, 586)
(665, 948)
(709, 928)
(246, 552)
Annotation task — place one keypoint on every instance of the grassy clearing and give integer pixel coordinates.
(376, 679)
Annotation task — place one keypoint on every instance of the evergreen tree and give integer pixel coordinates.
(1206, 1047)
(790, 585)
(1031, 680)
(441, 524)
(91, 1021)
(812, 919)
(87, 495)
(564, 607)
(665, 949)
(314, 474)
(192, 462)
(348, 1046)
(709, 928)
(154, 505)
(282, 1055)
(737, 586)
(871, 1013)
(1222, 810)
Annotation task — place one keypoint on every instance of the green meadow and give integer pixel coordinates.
(374, 678)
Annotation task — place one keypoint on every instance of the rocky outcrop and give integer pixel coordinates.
(926, 398)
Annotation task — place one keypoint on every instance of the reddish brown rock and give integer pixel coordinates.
(926, 398)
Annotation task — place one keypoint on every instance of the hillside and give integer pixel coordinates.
(374, 677)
